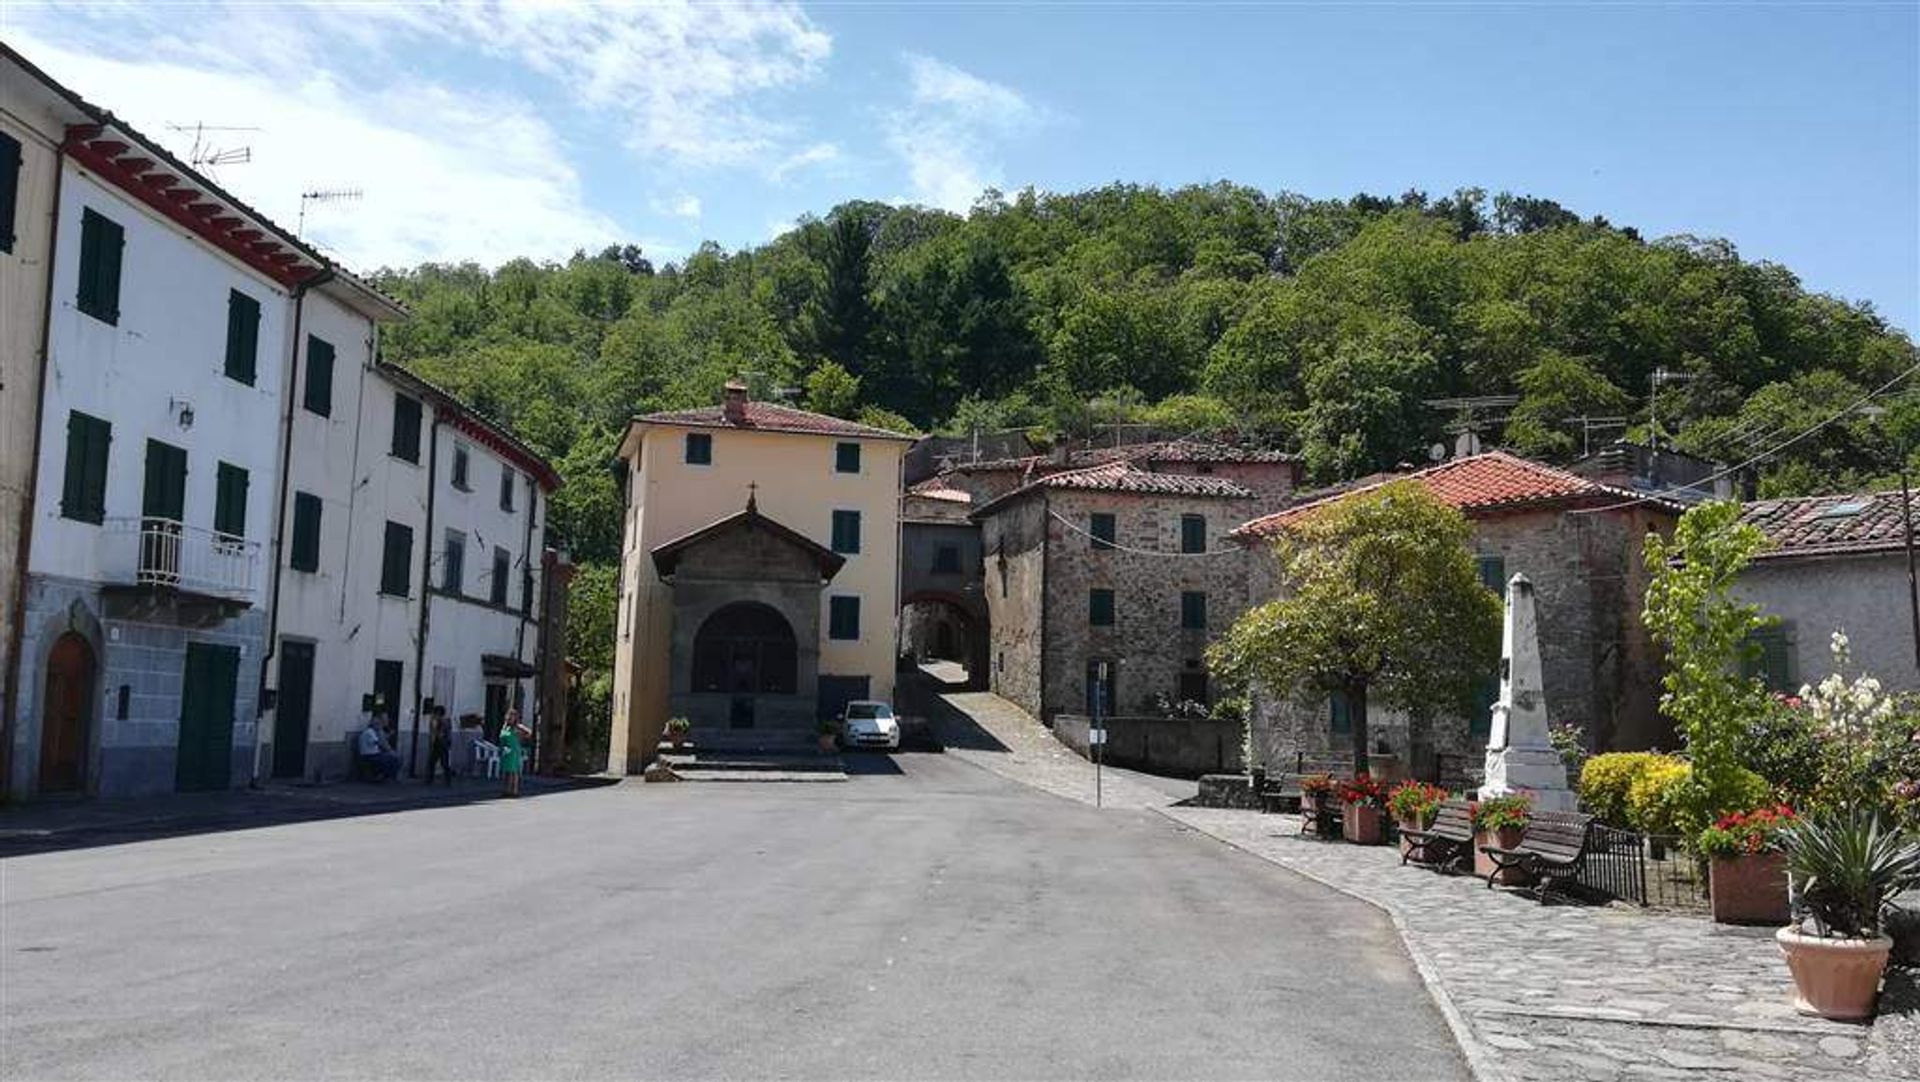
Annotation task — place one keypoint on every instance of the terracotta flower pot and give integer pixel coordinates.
(1749, 889)
(1360, 824)
(1483, 865)
(1834, 978)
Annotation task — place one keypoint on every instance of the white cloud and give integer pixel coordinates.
(684, 205)
(817, 154)
(946, 131)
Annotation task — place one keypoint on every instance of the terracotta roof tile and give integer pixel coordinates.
(1124, 476)
(1182, 451)
(766, 417)
(1483, 483)
(1828, 525)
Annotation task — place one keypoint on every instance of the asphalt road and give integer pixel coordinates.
(940, 922)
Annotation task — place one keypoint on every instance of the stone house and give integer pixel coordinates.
(1110, 579)
(943, 607)
(1832, 563)
(1579, 542)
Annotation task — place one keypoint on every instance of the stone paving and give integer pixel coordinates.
(1029, 754)
(1582, 992)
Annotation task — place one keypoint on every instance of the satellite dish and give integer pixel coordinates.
(1438, 452)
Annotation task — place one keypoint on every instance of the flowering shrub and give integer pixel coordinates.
(1782, 745)
(1502, 812)
(1747, 833)
(1363, 789)
(1316, 785)
(1869, 743)
(1606, 780)
(1415, 801)
(1569, 739)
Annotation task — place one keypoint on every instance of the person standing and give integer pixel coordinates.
(512, 754)
(440, 749)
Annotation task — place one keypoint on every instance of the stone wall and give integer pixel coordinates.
(1179, 747)
(1864, 595)
(1014, 542)
(1272, 483)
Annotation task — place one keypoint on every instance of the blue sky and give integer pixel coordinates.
(489, 130)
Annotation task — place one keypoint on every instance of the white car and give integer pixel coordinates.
(869, 724)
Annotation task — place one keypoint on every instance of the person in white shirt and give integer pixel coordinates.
(374, 751)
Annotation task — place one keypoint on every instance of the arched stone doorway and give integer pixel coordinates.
(940, 626)
(746, 648)
(66, 715)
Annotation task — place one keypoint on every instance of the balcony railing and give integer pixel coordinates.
(191, 559)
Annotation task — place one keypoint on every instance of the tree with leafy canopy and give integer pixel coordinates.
(834, 391)
(840, 319)
(1379, 601)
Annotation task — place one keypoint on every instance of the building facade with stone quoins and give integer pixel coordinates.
(1122, 566)
(1579, 542)
(759, 573)
(1832, 563)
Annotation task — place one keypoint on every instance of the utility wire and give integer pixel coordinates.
(1105, 544)
(1848, 410)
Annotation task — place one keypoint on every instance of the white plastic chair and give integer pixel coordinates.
(484, 759)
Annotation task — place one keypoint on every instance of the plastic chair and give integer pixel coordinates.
(484, 759)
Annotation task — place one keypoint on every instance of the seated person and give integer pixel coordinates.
(375, 752)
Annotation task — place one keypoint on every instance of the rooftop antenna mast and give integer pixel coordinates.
(322, 195)
(205, 153)
(1473, 413)
(1660, 375)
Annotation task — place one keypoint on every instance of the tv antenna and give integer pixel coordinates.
(322, 195)
(1473, 413)
(1659, 375)
(206, 154)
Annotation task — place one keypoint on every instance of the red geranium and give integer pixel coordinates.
(1363, 789)
(1747, 833)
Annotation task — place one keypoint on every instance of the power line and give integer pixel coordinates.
(1106, 544)
(1770, 452)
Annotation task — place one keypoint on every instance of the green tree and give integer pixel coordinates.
(833, 390)
(1379, 601)
(840, 318)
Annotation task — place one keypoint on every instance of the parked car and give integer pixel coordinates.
(869, 724)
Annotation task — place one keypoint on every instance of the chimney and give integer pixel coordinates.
(734, 403)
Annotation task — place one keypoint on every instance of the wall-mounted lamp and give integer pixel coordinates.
(183, 411)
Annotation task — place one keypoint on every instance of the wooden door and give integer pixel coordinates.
(66, 715)
(293, 714)
(206, 717)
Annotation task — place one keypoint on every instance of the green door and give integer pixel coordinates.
(206, 717)
(294, 712)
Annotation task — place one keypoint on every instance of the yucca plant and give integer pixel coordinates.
(1846, 867)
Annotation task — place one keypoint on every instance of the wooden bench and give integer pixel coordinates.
(1282, 792)
(1449, 839)
(1553, 847)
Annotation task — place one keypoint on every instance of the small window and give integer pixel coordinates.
(1192, 687)
(396, 560)
(305, 554)
(1493, 573)
(846, 458)
(1339, 714)
(1193, 610)
(406, 429)
(946, 560)
(502, 574)
(506, 488)
(9, 188)
(230, 501)
(102, 242)
(83, 496)
(453, 563)
(318, 397)
(460, 468)
(843, 618)
(1193, 533)
(846, 531)
(1101, 527)
(1769, 658)
(699, 449)
(1100, 608)
(243, 336)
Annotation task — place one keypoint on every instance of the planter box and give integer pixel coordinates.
(1483, 866)
(1749, 889)
(1360, 824)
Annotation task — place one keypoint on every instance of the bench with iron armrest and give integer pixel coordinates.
(1282, 791)
(1449, 839)
(1553, 847)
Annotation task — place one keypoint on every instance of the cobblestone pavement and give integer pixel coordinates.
(1028, 753)
(1584, 992)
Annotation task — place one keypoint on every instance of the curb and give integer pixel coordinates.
(1479, 1060)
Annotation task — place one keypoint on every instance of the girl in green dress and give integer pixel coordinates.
(512, 755)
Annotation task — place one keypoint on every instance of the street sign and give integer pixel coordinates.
(1096, 736)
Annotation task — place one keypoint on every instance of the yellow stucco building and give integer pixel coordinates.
(759, 585)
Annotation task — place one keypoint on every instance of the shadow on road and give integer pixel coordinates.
(53, 827)
(918, 694)
(869, 764)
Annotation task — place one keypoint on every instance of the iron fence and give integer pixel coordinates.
(1651, 870)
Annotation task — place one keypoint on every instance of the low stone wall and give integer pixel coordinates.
(1227, 791)
(1179, 747)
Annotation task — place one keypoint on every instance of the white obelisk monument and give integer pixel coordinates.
(1519, 754)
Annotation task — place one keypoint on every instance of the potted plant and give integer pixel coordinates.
(1501, 821)
(677, 729)
(829, 732)
(1747, 868)
(1363, 802)
(1316, 801)
(1413, 805)
(1846, 866)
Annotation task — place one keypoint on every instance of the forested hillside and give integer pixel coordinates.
(1322, 325)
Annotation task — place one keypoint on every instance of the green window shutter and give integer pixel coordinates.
(1193, 610)
(243, 336)
(1100, 608)
(1193, 533)
(1340, 714)
(843, 618)
(406, 428)
(502, 572)
(396, 560)
(699, 449)
(101, 244)
(1101, 526)
(83, 494)
(318, 396)
(9, 188)
(165, 493)
(230, 500)
(1493, 573)
(1768, 658)
(1485, 694)
(846, 531)
(306, 532)
(846, 458)
(506, 488)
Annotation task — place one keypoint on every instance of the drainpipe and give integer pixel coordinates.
(280, 511)
(17, 630)
(426, 592)
(520, 633)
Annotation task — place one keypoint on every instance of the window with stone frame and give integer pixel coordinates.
(1101, 525)
(1193, 610)
(1100, 607)
(1193, 533)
